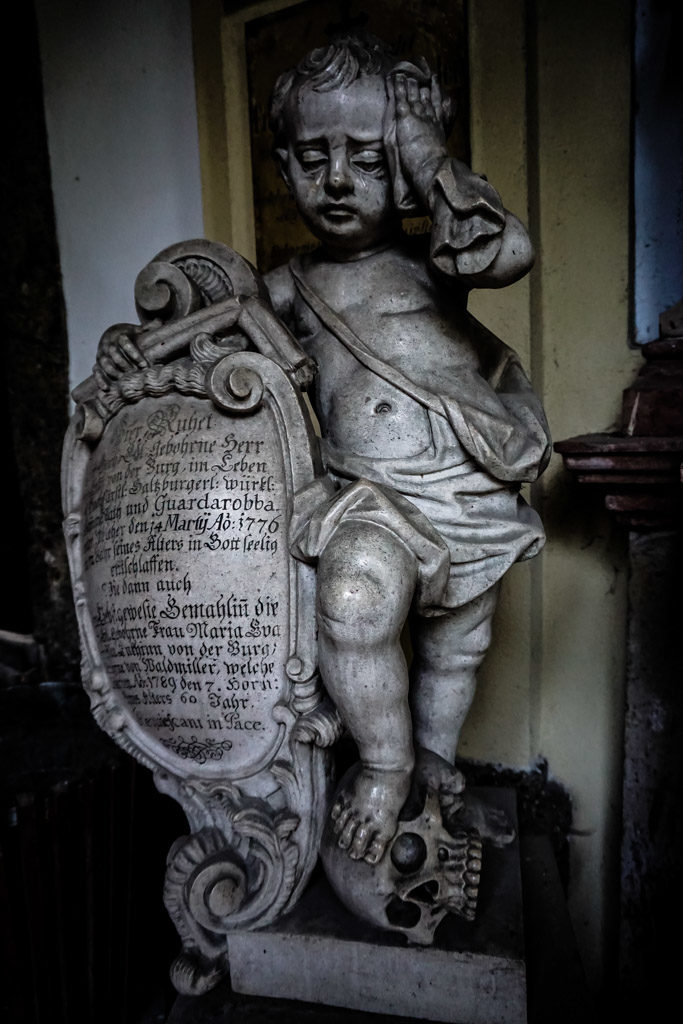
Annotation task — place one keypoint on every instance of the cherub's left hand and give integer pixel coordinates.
(420, 134)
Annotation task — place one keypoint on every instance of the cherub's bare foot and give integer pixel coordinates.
(460, 809)
(434, 773)
(492, 824)
(365, 812)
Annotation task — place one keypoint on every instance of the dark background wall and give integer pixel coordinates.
(35, 597)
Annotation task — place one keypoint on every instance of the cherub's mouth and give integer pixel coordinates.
(338, 211)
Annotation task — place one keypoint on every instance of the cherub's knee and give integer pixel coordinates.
(366, 580)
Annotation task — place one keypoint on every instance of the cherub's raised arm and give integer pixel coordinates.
(474, 238)
(468, 239)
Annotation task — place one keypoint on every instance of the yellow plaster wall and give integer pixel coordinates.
(563, 123)
(550, 94)
(584, 179)
(499, 727)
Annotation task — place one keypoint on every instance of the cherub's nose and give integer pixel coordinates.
(339, 180)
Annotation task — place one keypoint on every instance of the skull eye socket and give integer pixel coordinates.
(408, 853)
(401, 914)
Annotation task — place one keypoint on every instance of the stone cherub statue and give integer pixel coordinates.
(428, 422)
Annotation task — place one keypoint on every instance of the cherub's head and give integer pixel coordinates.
(328, 116)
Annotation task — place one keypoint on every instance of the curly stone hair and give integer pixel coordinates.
(335, 66)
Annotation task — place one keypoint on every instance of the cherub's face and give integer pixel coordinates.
(336, 167)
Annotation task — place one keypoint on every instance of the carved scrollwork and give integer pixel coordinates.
(165, 292)
(238, 871)
(214, 280)
(205, 350)
(189, 290)
(184, 277)
(202, 961)
(234, 383)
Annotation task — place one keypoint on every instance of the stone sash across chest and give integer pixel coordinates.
(350, 340)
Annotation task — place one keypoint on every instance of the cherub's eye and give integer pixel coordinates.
(312, 159)
(368, 160)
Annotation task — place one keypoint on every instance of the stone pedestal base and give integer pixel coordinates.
(473, 974)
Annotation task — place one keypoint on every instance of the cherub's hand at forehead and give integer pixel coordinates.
(417, 106)
(417, 98)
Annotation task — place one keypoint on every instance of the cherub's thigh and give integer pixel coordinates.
(460, 636)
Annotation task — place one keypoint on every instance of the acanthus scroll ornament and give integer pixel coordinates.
(234, 384)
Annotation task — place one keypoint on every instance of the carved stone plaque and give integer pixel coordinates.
(197, 625)
(187, 576)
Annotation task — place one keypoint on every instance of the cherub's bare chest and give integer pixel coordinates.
(361, 407)
(394, 312)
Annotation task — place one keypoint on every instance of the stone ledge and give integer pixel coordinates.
(473, 974)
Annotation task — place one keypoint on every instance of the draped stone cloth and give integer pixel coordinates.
(463, 527)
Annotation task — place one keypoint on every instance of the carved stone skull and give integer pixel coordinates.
(425, 873)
